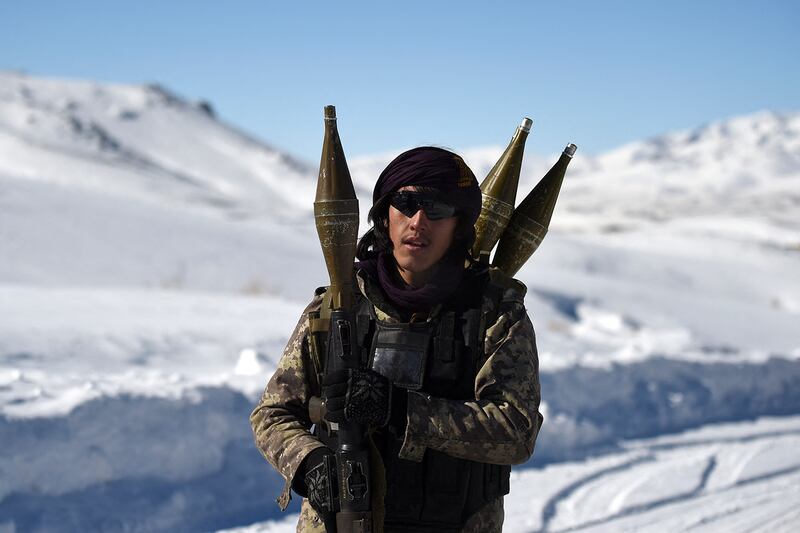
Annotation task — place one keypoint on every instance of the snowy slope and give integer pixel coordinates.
(128, 185)
(141, 142)
(742, 167)
(736, 477)
(153, 262)
(53, 234)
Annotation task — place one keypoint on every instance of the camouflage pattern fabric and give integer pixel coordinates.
(280, 421)
(500, 426)
(309, 521)
(488, 520)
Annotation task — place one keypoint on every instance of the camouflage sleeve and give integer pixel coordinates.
(501, 424)
(280, 421)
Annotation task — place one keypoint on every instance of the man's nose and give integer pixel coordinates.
(420, 219)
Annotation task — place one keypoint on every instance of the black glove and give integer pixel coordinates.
(362, 396)
(319, 476)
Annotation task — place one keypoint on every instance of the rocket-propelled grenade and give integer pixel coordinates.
(498, 193)
(336, 215)
(336, 218)
(531, 218)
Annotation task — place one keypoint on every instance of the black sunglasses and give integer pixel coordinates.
(409, 202)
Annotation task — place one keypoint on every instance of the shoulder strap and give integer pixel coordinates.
(319, 323)
(500, 292)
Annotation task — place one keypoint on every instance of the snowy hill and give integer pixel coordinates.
(153, 262)
(743, 167)
(130, 185)
(141, 142)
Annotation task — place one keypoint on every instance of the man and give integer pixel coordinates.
(450, 387)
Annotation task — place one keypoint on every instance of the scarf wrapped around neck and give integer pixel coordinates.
(406, 298)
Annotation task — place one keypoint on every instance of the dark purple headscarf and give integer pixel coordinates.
(445, 171)
(428, 166)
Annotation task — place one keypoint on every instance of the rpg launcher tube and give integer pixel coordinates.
(531, 218)
(336, 218)
(352, 448)
(336, 215)
(498, 192)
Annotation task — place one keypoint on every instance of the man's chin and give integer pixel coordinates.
(414, 265)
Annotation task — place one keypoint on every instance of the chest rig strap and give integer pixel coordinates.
(443, 343)
(316, 342)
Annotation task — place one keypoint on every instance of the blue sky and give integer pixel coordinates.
(459, 74)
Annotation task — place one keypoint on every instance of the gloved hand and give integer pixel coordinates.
(319, 476)
(357, 395)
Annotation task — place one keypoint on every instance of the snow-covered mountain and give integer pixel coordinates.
(130, 185)
(742, 167)
(142, 142)
(153, 262)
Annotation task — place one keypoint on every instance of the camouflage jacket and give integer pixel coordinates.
(500, 426)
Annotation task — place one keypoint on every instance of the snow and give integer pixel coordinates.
(142, 142)
(715, 479)
(153, 262)
(729, 478)
(78, 344)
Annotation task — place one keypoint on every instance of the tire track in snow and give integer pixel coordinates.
(711, 464)
(775, 523)
(549, 510)
(767, 476)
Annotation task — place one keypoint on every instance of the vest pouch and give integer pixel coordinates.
(496, 481)
(404, 499)
(443, 369)
(399, 352)
(446, 488)
(450, 367)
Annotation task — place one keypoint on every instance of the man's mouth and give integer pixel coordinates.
(415, 242)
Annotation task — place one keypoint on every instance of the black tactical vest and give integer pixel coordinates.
(440, 357)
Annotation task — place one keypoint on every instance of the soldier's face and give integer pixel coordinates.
(419, 243)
